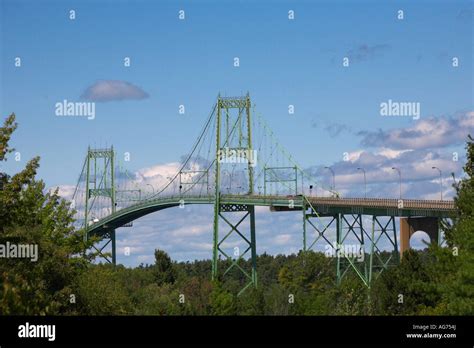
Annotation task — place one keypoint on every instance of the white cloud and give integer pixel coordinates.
(192, 230)
(166, 169)
(390, 153)
(65, 191)
(146, 259)
(426, 133)
(282, 239)
(111, 90)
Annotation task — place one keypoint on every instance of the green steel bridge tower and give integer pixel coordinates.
(234, 111)
(100, 184)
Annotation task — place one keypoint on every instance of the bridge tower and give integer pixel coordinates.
(234, 145)
(100, 186)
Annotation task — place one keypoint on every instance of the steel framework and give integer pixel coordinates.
(363, 263)
(100, 182)
(335, 222)
(235, 135)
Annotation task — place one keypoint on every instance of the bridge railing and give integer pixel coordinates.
(385, 202)
(269, 199)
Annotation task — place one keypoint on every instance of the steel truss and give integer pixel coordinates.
(352, 257)
(226, 124)
(249, 214)
(100, 167)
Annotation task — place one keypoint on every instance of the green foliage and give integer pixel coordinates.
(159, 300)
(163, 269)
(431, 282)
(101, 291)
(457, 264)
(277, 300)
(309, 271)
(28, 215)
(251, 302)
(6, 131)
(197, 292)
(441, 280)
(407, 289)
(223, 302)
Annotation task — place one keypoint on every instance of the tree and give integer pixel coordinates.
(222, 301)
(101, 291)
(29, 216)
(163, 269)
(408, 289)
(308, 271)
(441, 280)
(456, 264)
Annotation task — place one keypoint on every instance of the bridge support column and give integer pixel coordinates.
(234, 114)
(320, 228)
(352, 239)
(245, 212)
(114, 251)
(337, 246)
(350, 250)
(303, 209)
(109, 238)
(382, 228)
(409, 225)
(100, 193)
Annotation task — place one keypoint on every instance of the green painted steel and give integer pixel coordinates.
(217, 193)
(249, 143)
(222, 209)
(304, 207)
(321, 215)
(101, 188)
(148, 206)
(86, 209)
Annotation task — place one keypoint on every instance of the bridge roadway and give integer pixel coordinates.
(325, 206)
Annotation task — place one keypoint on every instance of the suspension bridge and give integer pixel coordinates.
(236, 164)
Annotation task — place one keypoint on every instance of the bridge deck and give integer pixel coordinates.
(325, 206)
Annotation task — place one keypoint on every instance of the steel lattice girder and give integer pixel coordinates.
(100, 192)
(108, 190)
(110, 238)
(244, 128)
(101, 153)
(356, 228)
(233, 103)
(394, 257)
(251, 242)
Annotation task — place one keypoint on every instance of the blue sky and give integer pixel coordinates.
(282, 62)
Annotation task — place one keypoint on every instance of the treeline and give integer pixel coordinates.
(65, 282)
(302, 284)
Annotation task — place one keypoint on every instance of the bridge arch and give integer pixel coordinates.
(419, 240)
(410, 225)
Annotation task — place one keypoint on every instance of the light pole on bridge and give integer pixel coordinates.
(151, 188)
(365, 182)
(173, 185)
(229, 175)
(333, 178)
(400, 179)
(440, 180)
